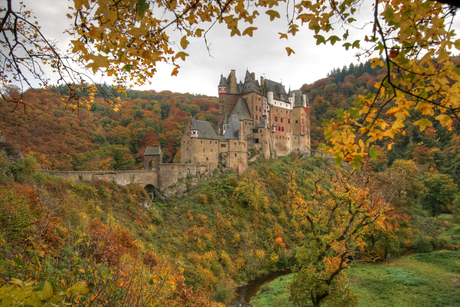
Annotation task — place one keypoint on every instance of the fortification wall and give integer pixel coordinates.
(122, 178)
(172, 173)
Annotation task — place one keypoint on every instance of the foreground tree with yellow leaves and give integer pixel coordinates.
(338, 219)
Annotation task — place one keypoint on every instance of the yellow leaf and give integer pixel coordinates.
(181, 55)
(249, 31)
(184, 42)
(376, 62)
(361, 145)
(235, 31)
(98, 62)
(457, 44)
(443, 119)
(423, 123)
(198, 32)
(443, 55)
(79, 4)
(289, 51)
(273, 14)
(172, 5)
(283, 35)
(78, 46)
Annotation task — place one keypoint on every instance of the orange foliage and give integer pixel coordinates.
(110, 244)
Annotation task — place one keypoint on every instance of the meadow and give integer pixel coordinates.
(426, 279)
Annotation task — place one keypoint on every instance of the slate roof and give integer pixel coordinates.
(152, 151)
(233, 128)
(223, 81)
(250, 85)
(298, 99)
(205, 130)
(240, 87)
(279, 92)
(194, 127)
(242, 110)
(262, 123)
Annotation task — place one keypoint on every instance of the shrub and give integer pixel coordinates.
(203, 199)
(404, 277)
(15, 215)
(448, 300)
(155, 217)
(422, 245)
(150, 259)
(222, 293)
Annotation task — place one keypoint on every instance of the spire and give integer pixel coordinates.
(194, 124)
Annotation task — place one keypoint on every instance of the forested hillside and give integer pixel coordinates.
(102, 138)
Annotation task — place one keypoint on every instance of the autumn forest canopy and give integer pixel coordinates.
(391, 189)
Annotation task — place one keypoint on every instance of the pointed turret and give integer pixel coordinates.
(193, 129)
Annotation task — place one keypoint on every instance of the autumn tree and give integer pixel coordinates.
(439, 193)
(337, 218)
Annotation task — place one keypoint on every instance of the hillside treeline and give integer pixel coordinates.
(102, 138)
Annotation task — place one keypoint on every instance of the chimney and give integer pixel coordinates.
(253, 76)
(241, 133)
(233, 89)
(262, 85)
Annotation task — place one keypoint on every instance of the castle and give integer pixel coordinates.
(256, 119)
(254, 116)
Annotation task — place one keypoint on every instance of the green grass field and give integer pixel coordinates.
(431, 279)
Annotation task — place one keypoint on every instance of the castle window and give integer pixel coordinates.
(302, 121)
(183, 142)
(206, 158)
(296, 121)
(223, 145)
(204, 150)
(216, 142)
(281, 119)
(201, 141)
(234, 144)
(211, 150)
(276, 118)
(235, 155)
(210, 142)
(289, 121)
(303, 129)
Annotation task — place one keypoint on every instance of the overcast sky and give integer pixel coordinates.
(263, 54)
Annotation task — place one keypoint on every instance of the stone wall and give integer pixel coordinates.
(166, 176)
(174, 173)
(122, 178)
